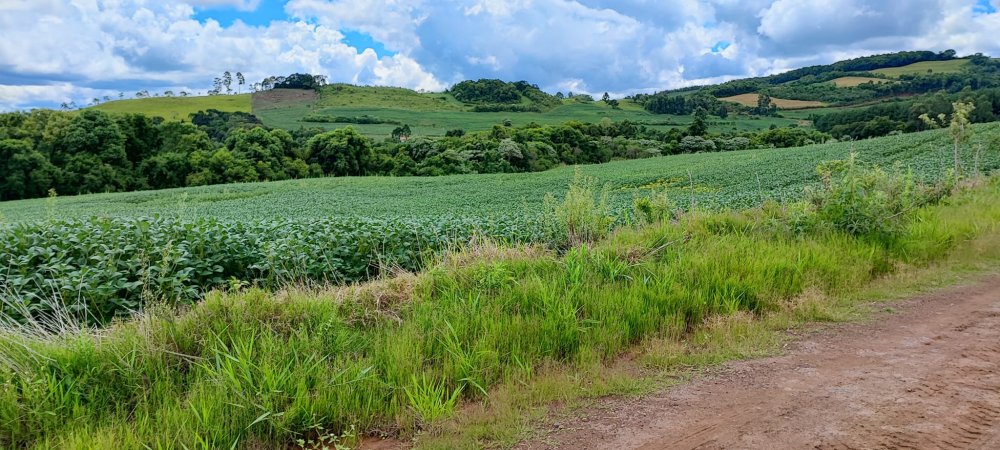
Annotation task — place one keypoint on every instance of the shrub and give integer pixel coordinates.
(870, 201)
(583, 215)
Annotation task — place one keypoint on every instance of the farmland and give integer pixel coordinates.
(751, 100)
(923, 67)
(857, 81)
(178, 108)
(721, 179)
(113, 247)
(402, 356)
(435, 114)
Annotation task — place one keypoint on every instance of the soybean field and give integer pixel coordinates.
(111, 254)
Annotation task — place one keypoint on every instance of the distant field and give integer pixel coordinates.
(751, 100)
(856, 81)
(178, 108)
(435, 114)
(721, 179)
(953, 66)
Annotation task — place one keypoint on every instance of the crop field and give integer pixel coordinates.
(178, 108)
(720, 179)
(108, 250)
(857, 81)
(438, 122)
(751, 100)
(952, 66)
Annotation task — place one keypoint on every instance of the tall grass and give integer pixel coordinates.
(254, 369)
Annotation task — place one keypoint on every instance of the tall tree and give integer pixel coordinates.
(240, 81)
(699, 127)
(341, 152)
(227, 81)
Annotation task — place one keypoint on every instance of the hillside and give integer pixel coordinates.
(377, 111)
(924, 67)
(177, 108)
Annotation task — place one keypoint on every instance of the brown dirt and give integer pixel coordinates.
(751, 101)
(926, 376)
(282, 98)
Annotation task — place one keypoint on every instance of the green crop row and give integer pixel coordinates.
(102, 267)
(105, 255)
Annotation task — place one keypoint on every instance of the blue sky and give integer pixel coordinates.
(58, 51)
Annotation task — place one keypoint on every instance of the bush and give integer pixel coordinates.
(583, 215)
(870, 201)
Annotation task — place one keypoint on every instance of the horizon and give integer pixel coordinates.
(102, 49)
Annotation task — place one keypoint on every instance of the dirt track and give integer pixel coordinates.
(927, 376)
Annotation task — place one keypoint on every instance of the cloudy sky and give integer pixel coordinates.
(55, 51)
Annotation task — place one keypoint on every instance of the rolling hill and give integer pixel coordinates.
(178, 108)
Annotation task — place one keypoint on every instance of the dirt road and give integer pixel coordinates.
(925, 377)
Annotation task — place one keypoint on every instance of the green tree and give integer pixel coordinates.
(27, 173)
(960, 130)
(342, 152)
(92, 155)
(699, 127)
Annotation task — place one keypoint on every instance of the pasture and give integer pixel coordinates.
(178, 108)
(952, 66)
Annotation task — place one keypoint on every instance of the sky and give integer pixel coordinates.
(56, 51)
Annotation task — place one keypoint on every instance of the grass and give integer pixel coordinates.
(431, 116)
(427, 114)
(397, 356)
(952, 66)
(178, 108)
(751, 100)
(857, 81)
(736, 179)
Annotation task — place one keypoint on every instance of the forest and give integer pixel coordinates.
(45, 153)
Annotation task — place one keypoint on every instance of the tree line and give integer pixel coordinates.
(44, 151)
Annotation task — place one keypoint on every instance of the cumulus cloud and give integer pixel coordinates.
(242, 5)
(74, 49)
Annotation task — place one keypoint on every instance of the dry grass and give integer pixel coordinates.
(751, 100)
(857, 81)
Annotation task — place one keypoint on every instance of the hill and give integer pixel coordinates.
(479, 105)
(924, 67)
(178, 108)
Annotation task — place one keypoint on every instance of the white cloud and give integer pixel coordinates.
(242, 5)
(79, 48)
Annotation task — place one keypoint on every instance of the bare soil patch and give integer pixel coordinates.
(751, 101)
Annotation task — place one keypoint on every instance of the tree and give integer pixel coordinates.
(613, 103)
(27, 173)
(695, 144)
(722, 112)
(959, 129)
(342, 152)
(241, 81)
(699, 127)
(765, 107)
(227, 81)
(401, 134)
(92, 155)
(605, 98)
